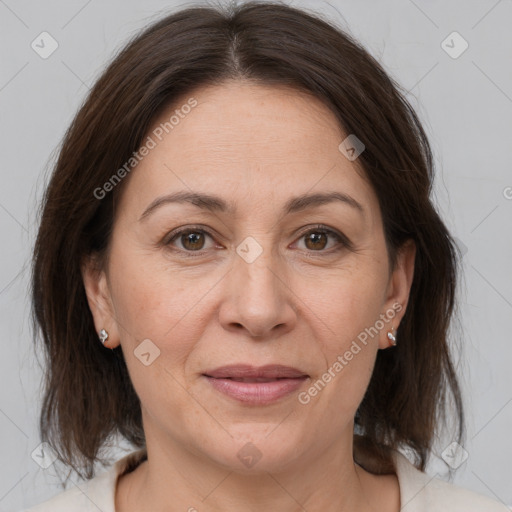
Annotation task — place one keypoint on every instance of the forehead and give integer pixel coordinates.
(245, 139)
(258, 120)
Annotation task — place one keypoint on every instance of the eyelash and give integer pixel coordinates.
(319, 228)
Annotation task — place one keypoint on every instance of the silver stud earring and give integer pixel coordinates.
(392, 337)
(103, 336)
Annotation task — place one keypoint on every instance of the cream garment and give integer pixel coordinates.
(419, 492)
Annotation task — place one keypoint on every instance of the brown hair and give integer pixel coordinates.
(88, 395)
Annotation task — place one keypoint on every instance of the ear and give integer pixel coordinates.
(99, 299)
(399, 287)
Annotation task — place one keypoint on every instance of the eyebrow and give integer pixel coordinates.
(217, 204)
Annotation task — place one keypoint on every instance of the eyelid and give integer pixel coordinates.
(343, 239)
(173, 235)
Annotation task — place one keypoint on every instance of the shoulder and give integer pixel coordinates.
(420, 492)
(92, 495)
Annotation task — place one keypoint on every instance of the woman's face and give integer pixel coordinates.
(253, 281)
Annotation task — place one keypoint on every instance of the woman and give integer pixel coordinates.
(240, 271)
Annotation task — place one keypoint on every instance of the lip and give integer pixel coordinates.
(260, 385)
(269, 371)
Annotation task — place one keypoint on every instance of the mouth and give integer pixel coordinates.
(256, 385)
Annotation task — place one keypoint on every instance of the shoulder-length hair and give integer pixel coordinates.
(88, 395)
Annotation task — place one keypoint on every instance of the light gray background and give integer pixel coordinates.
(465, 104)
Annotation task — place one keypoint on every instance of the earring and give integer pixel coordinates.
(103, 336)
(392, 337)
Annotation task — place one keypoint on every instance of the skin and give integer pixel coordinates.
(300, 303)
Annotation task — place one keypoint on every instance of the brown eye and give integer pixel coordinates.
(188, 240)
(193, 240)
(316, 240)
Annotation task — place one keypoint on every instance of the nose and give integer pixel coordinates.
(258, 298)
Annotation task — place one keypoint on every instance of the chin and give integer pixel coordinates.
(254, 451)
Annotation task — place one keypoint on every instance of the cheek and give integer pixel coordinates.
(172, 309)
(152, 300)
(347, 302)
(346, 308)
(336, 391)
(155, 304)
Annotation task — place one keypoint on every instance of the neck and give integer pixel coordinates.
(327, 481)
